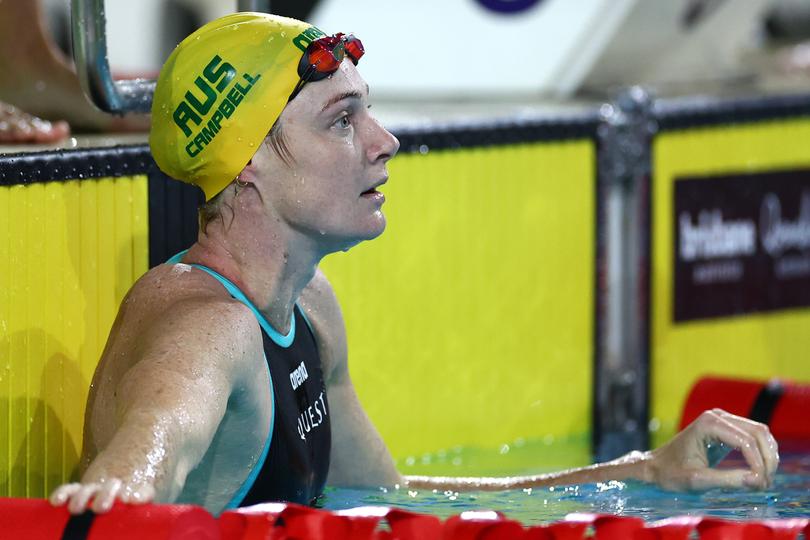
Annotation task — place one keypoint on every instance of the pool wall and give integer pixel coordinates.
(78, 228)
(480, 318)
(470, 321)
(756, 338)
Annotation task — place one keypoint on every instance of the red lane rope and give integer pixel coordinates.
(784, 403)
(36, 518)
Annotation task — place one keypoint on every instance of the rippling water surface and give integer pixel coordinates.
(789, 497)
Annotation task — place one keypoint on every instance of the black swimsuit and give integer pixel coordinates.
(296, 466)
(295, 460)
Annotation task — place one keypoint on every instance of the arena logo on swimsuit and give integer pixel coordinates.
(298, 376)
(217, 76)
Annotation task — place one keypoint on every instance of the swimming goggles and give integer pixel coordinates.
(323, 57)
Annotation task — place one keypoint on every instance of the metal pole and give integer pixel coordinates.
(621, 400)
(88, 27)
(254, 5)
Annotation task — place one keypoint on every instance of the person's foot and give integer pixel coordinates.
(39, 79)
(17, 126)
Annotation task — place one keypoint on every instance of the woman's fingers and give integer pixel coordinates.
(61, 494)
(105, 497)
(78, 502)
(683, 462)
(715, 425)
(768, 447)
(99, 496)
(713, 478)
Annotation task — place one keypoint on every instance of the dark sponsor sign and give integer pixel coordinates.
(508, 6)
(742, 244)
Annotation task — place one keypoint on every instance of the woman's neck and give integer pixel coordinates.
(271, 267)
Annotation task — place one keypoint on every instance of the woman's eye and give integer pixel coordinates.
(343, 121)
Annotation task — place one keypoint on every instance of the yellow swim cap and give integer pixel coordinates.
(220, 92)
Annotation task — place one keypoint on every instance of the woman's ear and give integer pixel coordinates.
(248, 174)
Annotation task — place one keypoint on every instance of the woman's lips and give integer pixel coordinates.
(373, 194)
(373, 189)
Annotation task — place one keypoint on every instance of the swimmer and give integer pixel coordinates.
(224, 381)
(40, 80)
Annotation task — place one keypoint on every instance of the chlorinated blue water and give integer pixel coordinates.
(788, 497)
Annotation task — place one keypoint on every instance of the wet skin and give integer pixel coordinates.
(181, 385)
(180, 404)
(17, 126)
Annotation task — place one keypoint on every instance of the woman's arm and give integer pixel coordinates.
(680, 464)
(167, 408)
(360, 458)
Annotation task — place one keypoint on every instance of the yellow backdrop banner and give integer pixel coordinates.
(470, 321)
(68, 254)
(759, 345)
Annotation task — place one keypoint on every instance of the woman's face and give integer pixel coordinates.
(339, 153)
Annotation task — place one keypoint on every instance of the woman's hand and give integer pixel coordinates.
(683, 463)
(100, 496)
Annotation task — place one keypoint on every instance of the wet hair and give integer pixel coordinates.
(212, 210)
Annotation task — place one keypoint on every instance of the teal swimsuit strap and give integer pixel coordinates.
(279, 339)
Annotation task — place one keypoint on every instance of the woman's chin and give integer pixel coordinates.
(372, 228)
(344, 242)
(378, 226)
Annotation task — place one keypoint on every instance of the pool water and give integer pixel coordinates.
(788, 497)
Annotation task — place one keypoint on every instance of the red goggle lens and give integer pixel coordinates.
(354, 48)
(323, 57)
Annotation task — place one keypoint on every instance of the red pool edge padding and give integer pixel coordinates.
(37, 519)
(783, 405)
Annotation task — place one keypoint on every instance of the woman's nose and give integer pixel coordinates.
(384, 144)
